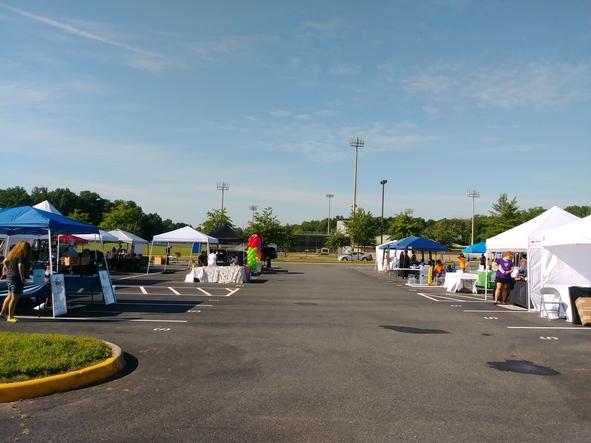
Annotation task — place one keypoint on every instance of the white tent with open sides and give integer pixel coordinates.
(526, 238)
(182, 235)
(565, 254)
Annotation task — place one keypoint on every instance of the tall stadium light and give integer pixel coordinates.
(253, 208)
(223, 186)
(329, 196)
(355, 142)
(383, 183)
(474, 194)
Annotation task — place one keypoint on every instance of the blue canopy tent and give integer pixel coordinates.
(420, 244)
(26, 220)
(389, 245)
(476, 248)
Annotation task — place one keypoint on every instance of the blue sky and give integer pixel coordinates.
(157, 102)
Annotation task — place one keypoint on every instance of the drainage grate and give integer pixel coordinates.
(522, 367)
(410, 330)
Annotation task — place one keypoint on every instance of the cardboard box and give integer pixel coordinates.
(76, 261)
(584, 310)
(159, 260)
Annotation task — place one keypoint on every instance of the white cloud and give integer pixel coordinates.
(344, 70)
(541, 86)
(144, 59)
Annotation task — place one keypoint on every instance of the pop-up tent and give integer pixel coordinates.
(565, 254)
(45, 205)
(182, 235)
(26, 220)
(420, 244)
(385, 255)
(131, 239)
(103, 236)
(476, 248)
(526, 238)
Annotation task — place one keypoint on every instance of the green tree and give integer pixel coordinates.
(403, 225)
(78, 214)
(579, 211)
(13, 197)
(287, 240)
(267, 226)
(446, 232)
(93, 204)
(64, 200)
(216, 218)
(123, 215)
(337, 240)
(504, 215)
(361, 228)
(39, 194)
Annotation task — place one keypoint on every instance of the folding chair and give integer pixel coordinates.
(550, 297)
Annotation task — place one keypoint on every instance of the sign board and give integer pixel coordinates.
(38, 275)
(107, 286)
(196, 248)
(58, 295)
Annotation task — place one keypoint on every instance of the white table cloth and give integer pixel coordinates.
(454, 281)
(217, 274)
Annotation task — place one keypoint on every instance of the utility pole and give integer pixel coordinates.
(223, 186)
(253, 208)
(329, 196)
(355, 142)
(383, 183)
(474, 194)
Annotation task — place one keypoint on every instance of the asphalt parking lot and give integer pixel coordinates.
(314, 353)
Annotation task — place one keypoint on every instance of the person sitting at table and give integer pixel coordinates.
(202, 259)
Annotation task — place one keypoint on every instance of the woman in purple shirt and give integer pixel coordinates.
(504, 267)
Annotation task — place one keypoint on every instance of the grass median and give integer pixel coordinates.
(29, 356)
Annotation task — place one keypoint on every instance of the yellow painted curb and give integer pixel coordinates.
(63, 382)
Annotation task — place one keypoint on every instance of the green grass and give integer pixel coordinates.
(27, 356)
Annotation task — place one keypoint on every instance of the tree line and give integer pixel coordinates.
(362, 227)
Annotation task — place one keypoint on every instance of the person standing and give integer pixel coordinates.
(212, 258)
(462, 264)
(504, 267)
(16, 267)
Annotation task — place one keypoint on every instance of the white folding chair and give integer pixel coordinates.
(550, 298)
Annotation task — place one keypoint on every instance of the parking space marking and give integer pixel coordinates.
(491, 318)
(80, 290)
(161, 329)
(549, 337)
(174, 291)
(565, 328)
(143, 290)
(102, 319)
(427, 296)
(231, 291)
(495, 311)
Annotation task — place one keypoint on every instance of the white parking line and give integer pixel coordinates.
(496, 311)
(566, 328)
(80, 290)
(143, 290)
(101, 319)
(174, 291)
(427, 296)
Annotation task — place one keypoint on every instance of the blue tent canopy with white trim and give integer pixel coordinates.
(26, 220)
(476, 248)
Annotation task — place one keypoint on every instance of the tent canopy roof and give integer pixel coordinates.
(518, 238)
(126, 237)
(104, 235)
(29, 220)
(388, 245)
(45, 205)
(577, 232)
(184, 235)
(476, 248)
(419, 244)
(226, 234)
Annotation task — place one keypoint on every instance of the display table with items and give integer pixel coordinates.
(217, 274)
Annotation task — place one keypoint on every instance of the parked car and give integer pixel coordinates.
(355, 256)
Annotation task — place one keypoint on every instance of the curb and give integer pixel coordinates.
(63, 382)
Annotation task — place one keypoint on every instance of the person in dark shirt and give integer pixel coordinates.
(16, 267)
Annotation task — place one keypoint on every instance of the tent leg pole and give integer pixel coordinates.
(149, 258)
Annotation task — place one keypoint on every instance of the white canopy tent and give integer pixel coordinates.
(102, 236)
(565, 254)
(526, 238)
(129, 238)
(182, 235)
(47, 206)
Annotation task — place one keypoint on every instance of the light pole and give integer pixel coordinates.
(383, 183)
(253, 208)
(355, 142)
(329, 196)
(474, 194)
(223, 186)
